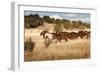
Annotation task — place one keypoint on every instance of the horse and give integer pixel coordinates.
(55, 35)
(43, 33)
(63, 36)
(84, 34)
(73, 35)
(46, 34)
(47, 37)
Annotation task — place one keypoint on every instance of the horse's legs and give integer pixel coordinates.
(47, 41)
(66, 40)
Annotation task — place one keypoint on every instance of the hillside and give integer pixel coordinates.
(47, 23)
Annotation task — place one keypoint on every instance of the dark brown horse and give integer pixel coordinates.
(84, 34)
(73, 35)
(54, 36)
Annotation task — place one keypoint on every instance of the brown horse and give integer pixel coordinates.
(84, 34)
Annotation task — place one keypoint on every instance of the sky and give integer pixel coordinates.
(84, 17)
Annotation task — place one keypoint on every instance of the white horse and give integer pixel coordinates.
(48, 37)
(46, 34)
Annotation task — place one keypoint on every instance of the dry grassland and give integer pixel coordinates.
(71, 49)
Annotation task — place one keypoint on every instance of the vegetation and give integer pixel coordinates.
(29, 45)
(37, 48)
(33, 21)
(58, 25)
(73, 49)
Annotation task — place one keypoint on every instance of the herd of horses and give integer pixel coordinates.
(59, 36)
(65, 35)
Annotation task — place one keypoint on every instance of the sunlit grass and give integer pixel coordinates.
(73, 49)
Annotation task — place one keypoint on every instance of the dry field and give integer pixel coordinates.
(71, 49)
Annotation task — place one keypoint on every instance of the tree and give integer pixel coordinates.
(66, 24)
(58, 26)
(33, 21)
(74, 25)
(84, 25)
(47, 19)
(53, 20)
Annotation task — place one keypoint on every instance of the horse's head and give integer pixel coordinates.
(43, 33)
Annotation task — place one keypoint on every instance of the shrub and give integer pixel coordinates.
(29, 45)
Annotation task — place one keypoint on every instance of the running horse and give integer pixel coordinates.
(47, 36)
(53, 36)
(43, 33)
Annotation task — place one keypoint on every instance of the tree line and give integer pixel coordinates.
(33, 21)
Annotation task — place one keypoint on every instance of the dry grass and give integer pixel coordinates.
(73, 49)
